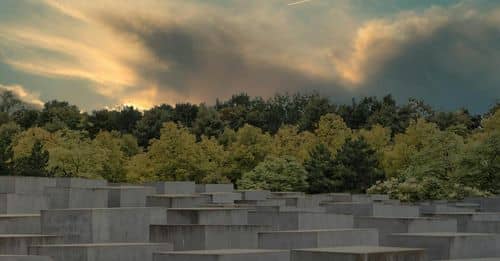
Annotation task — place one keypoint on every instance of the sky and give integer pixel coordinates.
(107, 53)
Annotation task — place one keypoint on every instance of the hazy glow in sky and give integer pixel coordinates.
(106, 53)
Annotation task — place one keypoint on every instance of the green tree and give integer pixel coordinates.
(207, 123)
(7, 132)
(355, 167)
(332, 131)
(35, 164)
(276, 174)
(320, 170)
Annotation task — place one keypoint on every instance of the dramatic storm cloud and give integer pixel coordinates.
(148, 52)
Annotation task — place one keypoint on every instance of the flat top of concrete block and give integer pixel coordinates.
(201, 225)
(224, 252)
(207, 209)
(24, 235)
(125, 187)
(101, 209)
(467, 213)
(18, 215)
(400, 218)
(362, 249)
(176, 196)
(317, 230)
(475, 259)
(103, 244)
(445, 234)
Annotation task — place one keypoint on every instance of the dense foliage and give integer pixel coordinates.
(287, 142)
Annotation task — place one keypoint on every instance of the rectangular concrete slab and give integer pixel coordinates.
(64, 182)
(208, 216)
(298, 220)
(18, 244)
(450, 245)
(224, 255)
(176, 200)
(254, 194)
(174, 187)
(317, 238)
(209, 188)
(22, 203)
(222, 197)
(73, 197)
(20, 224)
(391, 225)
(102, 225)
(24, 258)
(358, 253)
(128, 196)
(25, 185)
(202, 237)
(101, 252)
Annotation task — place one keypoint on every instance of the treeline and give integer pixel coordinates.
(288, 142)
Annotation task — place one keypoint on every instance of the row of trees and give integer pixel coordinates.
(288, 142)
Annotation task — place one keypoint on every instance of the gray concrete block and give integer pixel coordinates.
(465, 218)
(224, 255)
(450, 245)
(174, 187)
(18, 244)
(102, 225)
(293, 220)
(348, 208)
(222, 197)
(317, 238)
(24, 258)
(22, 203)
(355, 253)
(207, 216)
(101, 252)
(202, 237)
(20, 224)
(490, 204)
(63, 182)
(391, 225)
(371, 209)
(128, 196)
(176, 200)
(25, 185)
(254, 195)
(209, 188)
(72, 197)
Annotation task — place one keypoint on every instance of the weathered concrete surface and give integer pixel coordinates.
(207, 216)
(295, 220)
(174, 187)
(366, 253)
(101, 252)
(390, 225)
(317, 238)
(491, 204)
(202, 237)
(222, 197)
(102, 225)
(18, 244)
(371, 209)
(22, 203)
(209, 188)
(80, 183)
(72, 197)
(24, 258)
(25, 185)
(224, 255)
(20, 224)
(176, 200)
(254, 194)
(450, 245)
(128, 196)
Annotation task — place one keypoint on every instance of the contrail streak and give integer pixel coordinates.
(299, 2)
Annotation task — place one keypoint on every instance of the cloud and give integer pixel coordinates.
(447, 56)
(149, 52)
(28, 97)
